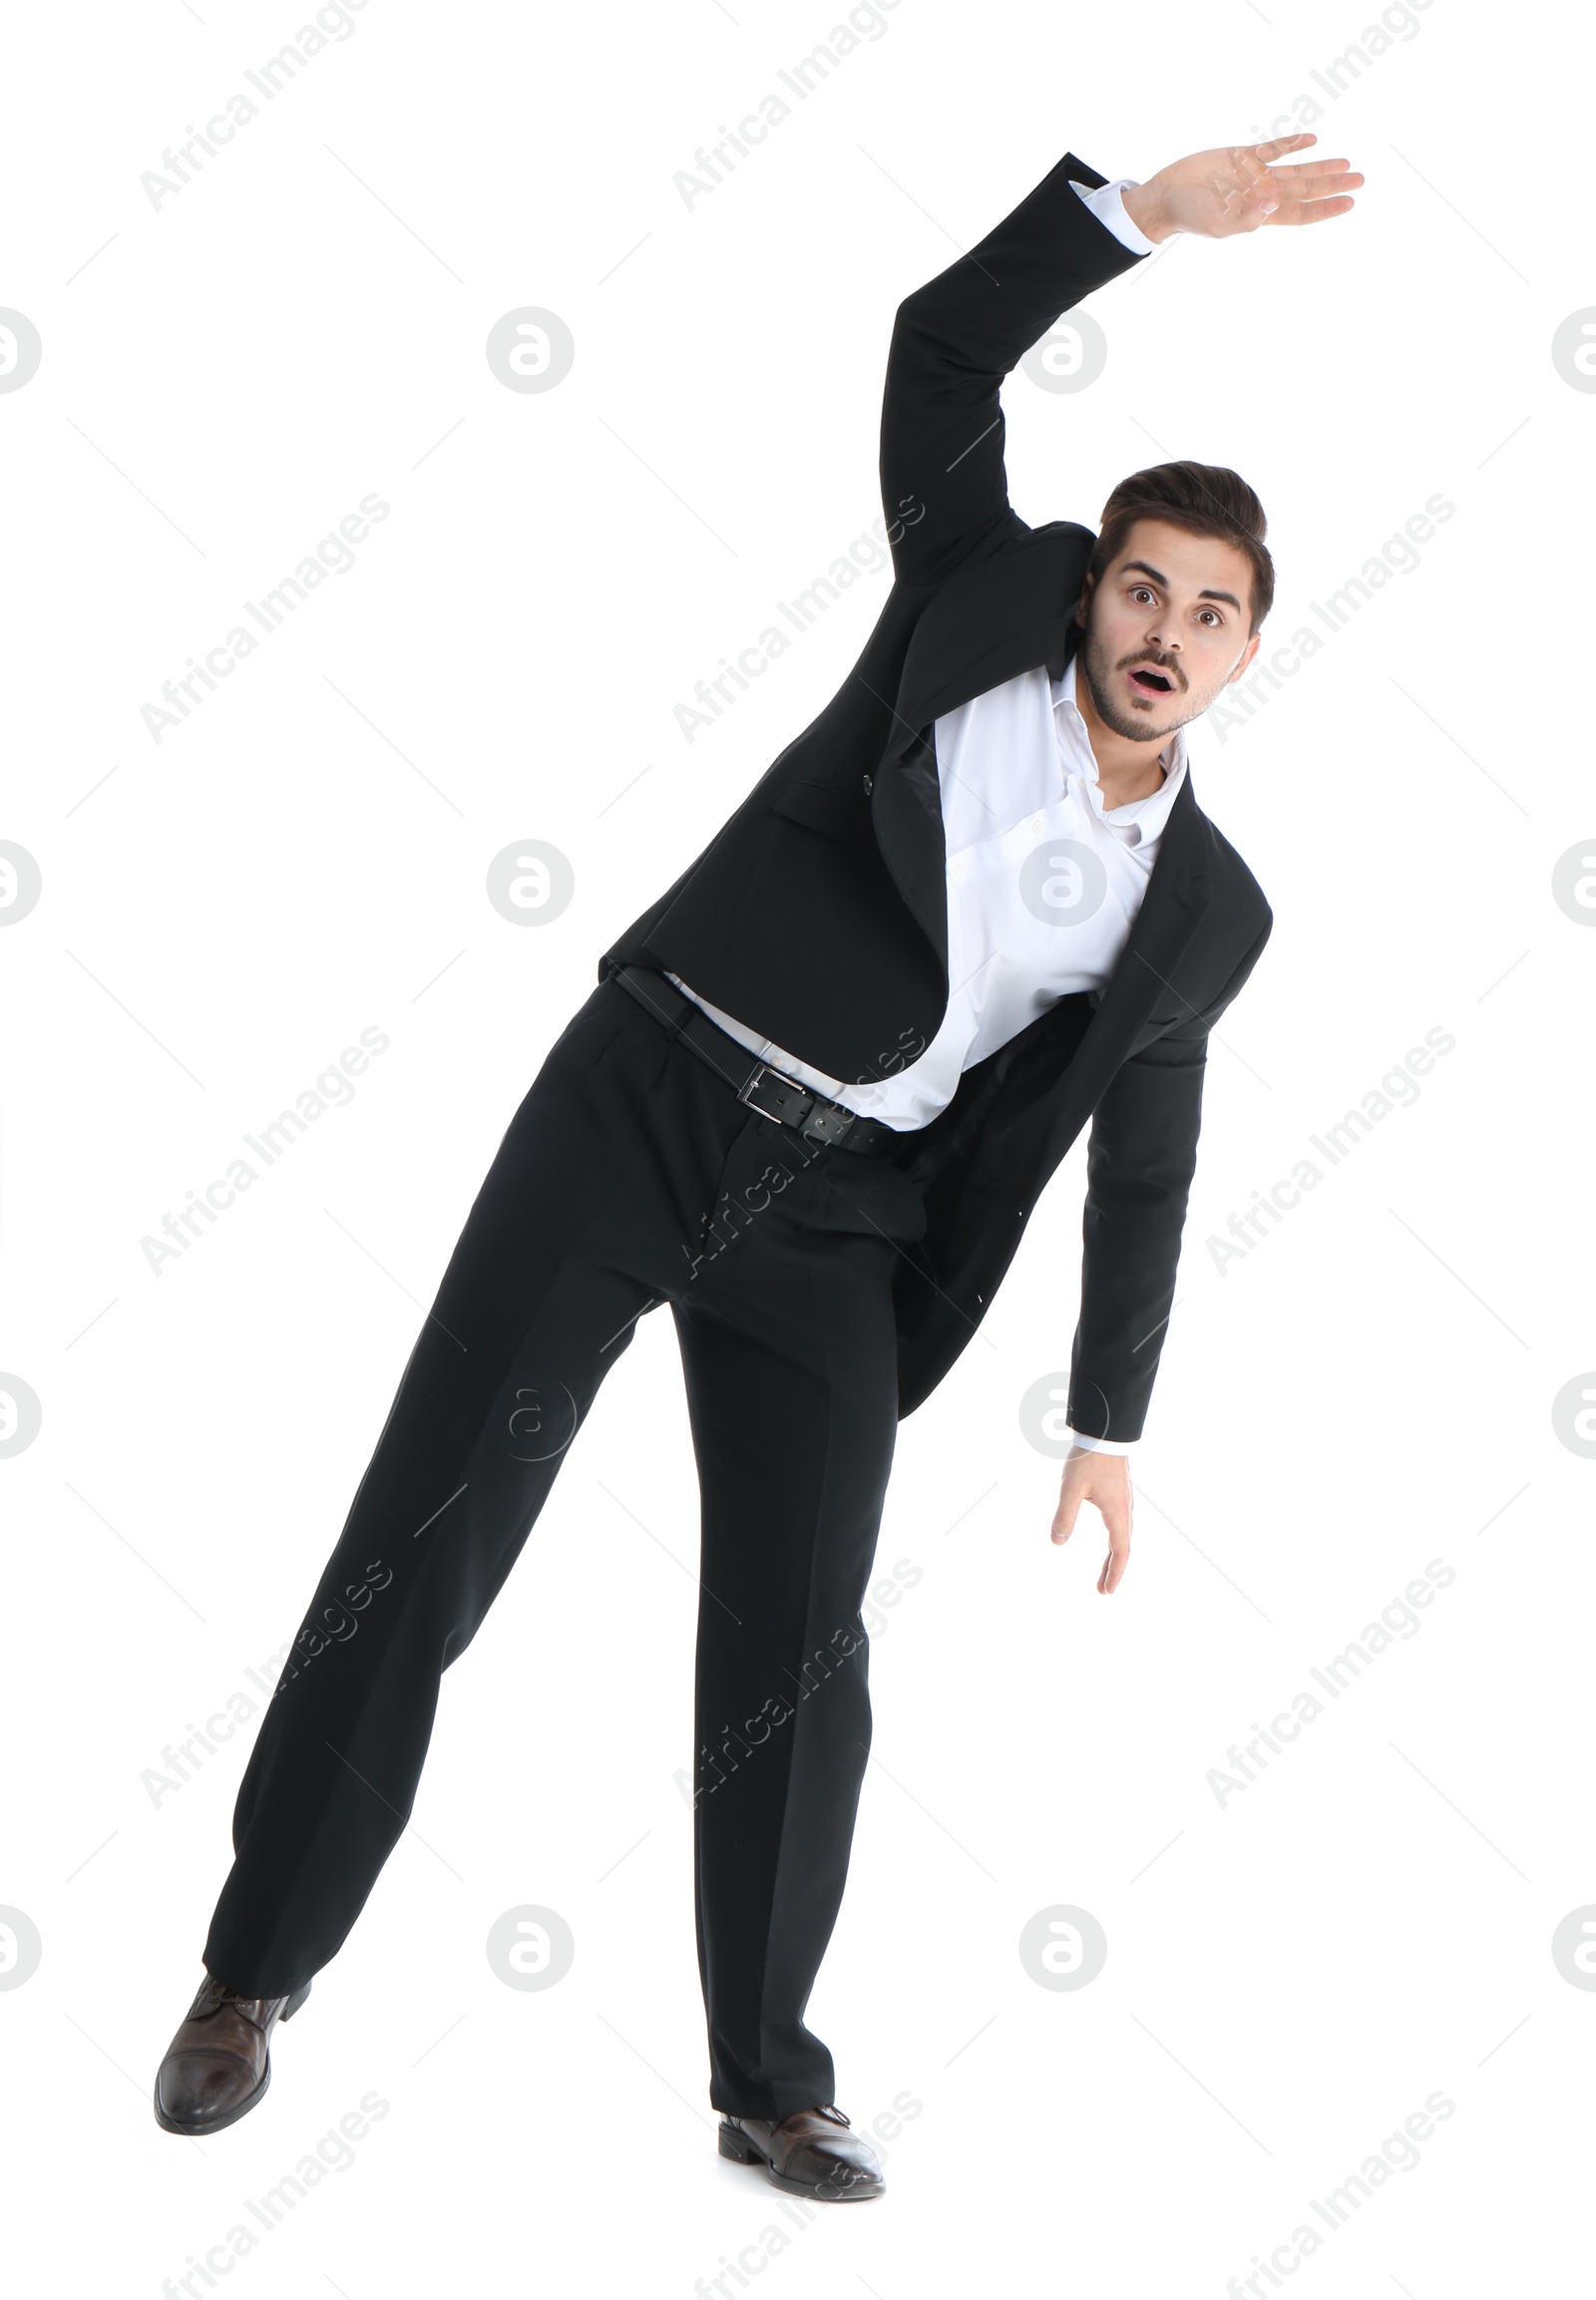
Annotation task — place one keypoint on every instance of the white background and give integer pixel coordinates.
(1291, 1974)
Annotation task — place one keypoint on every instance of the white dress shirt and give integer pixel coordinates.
(1043, 882)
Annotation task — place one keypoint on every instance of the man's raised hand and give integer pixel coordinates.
(1240, 187)
(1104, 1480)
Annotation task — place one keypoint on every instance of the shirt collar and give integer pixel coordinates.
(1148, 816)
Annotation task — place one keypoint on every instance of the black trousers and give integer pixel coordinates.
(630, 1176)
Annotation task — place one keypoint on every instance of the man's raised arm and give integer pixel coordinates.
(942, 483)
(953, 342)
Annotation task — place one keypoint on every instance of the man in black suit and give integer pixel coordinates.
(811, 1105)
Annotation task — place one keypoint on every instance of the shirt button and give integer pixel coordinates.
(1037, 825)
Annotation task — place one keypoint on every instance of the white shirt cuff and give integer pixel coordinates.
(1101, 1444)
(1109, 210)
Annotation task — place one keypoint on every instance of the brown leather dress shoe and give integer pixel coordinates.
(219, 2063)
(812, 2153)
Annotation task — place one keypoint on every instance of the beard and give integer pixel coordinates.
(1093, 665)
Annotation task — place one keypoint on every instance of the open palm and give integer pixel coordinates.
(1241, 188)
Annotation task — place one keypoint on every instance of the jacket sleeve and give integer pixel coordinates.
(943, 482)
(1140, 1158)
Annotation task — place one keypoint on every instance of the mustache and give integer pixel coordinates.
(1165, 663)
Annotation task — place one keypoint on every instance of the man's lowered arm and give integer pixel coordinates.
(1140, 1159)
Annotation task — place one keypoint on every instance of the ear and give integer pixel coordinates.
(1247, 654)
(1084, 602)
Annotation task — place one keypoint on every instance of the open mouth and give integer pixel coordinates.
(1151, 681)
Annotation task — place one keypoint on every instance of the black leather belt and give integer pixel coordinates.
(771, 1092)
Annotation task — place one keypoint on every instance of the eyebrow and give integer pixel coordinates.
(1140, 566)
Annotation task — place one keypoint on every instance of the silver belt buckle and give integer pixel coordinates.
(784, 1086)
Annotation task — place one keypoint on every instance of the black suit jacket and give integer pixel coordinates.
(817, 914)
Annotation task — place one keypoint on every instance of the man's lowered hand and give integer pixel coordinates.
(1104, 1480)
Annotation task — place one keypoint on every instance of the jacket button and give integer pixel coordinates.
(869, 783)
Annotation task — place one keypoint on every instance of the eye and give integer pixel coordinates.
(1143, 592)
(1218, 619)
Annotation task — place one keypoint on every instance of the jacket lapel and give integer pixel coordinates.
(992, 620)
(995, 617)
(1178, 893)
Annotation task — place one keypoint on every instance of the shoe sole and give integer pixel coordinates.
(240, 2107)
(741, 2149)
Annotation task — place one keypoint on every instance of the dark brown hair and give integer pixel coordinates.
(1203, 497)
